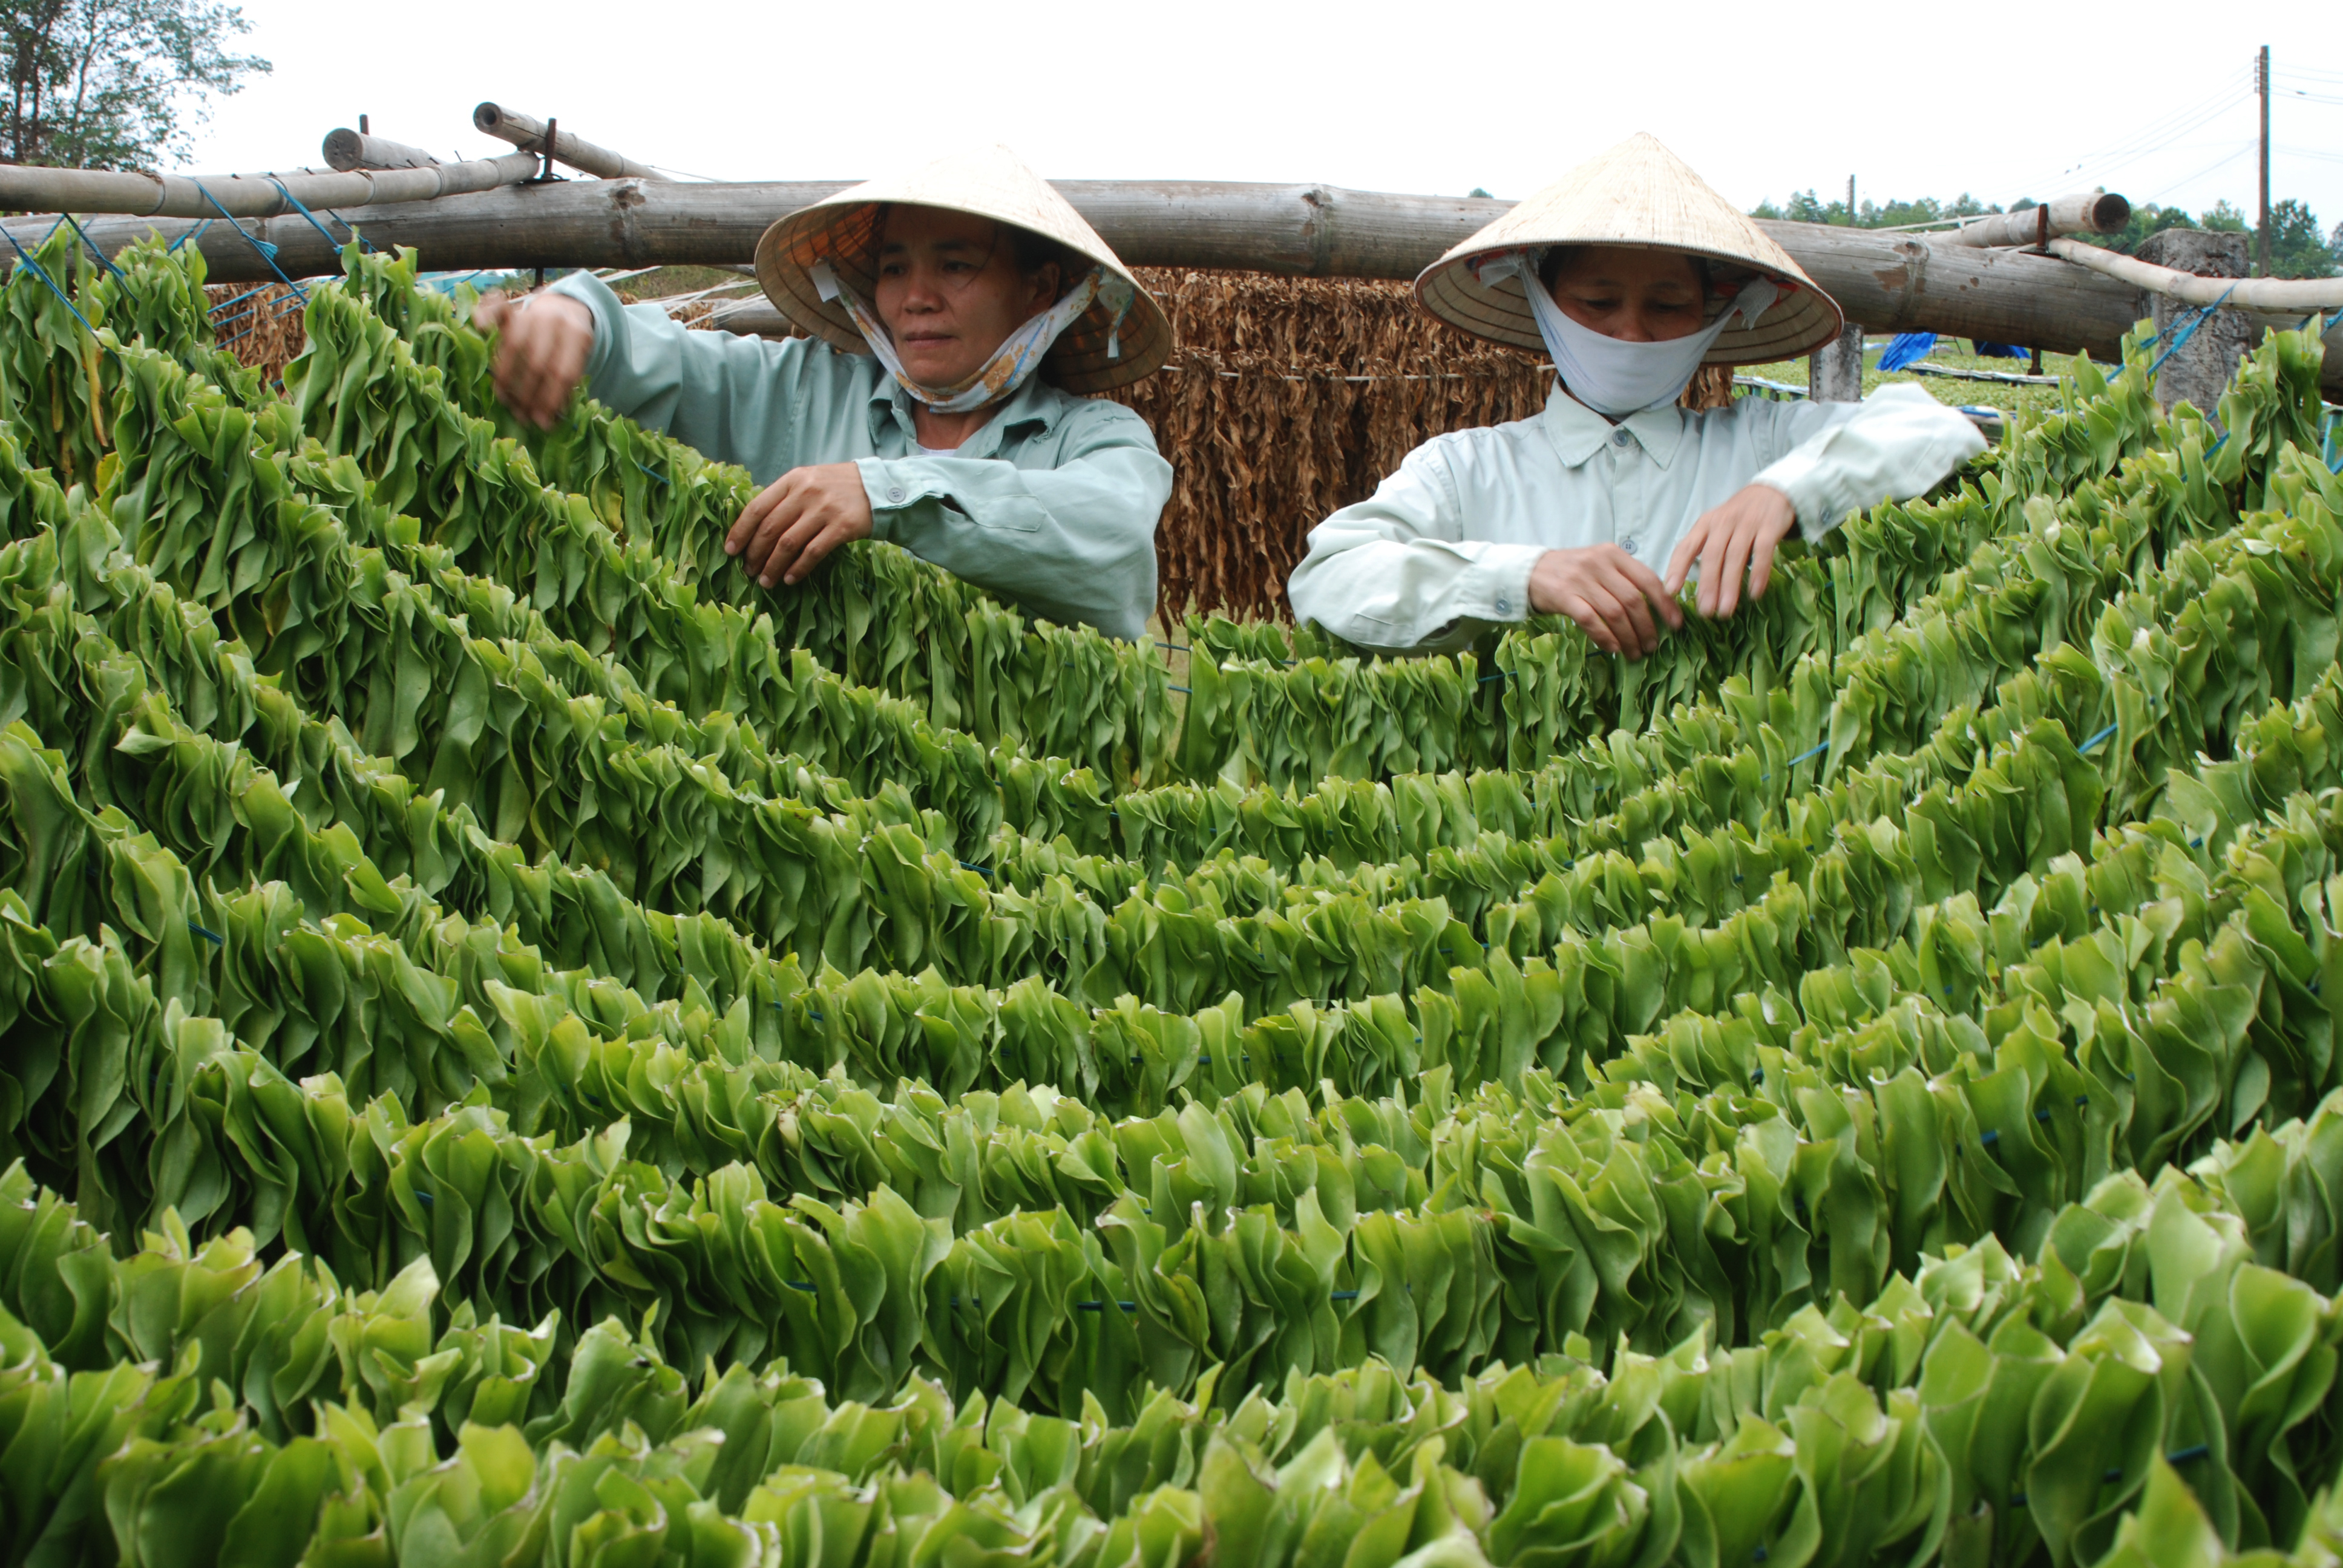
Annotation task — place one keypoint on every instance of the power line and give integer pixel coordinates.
(2157, 134)
(2222, 162)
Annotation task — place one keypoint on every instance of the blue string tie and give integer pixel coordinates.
(104, 260)
(41, 273)
(268, 251)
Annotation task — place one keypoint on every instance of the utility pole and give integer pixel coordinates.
(2262, 85)
(1850, 202)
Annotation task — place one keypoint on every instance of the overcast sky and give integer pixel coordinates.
(1763, 98)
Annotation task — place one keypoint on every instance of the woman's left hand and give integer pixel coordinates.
(798, 519)
(1738, 537)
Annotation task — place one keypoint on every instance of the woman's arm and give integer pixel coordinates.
(1843, 457)
(737, 399)
(1394, 573)
(1075, 543)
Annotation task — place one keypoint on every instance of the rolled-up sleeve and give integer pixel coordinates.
(1892, 445)
(734, 398)
(1074, 543)
(1394, 572)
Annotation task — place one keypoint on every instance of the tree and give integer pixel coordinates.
(2297, 248)
(114, 84)
(2222, 218)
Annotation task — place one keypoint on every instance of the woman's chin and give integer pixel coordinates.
(938, 372)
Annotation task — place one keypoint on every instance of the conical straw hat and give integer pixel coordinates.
(993, 183)
(1637, 193)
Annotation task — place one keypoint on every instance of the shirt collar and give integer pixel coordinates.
(1578, 432)
(1036, 403)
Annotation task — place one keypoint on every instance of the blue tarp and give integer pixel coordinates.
(1985, 350)
(1907, 348)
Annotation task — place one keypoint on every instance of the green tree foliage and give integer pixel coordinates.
(114, 84)
(1806, 206)
(2297, 248)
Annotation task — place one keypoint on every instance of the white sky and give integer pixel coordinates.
(1763, 98)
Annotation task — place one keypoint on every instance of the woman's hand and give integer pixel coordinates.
(541, 354)
(1608, 592)
(1731, 539)
(798, 519)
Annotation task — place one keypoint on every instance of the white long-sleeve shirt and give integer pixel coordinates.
(1443, 548)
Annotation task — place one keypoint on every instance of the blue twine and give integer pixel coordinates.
(1181, 689)
(1793, 762)
(807, 1286)
(268, 251)
(654, 473)
(238, 300)
(41, 273)
(979, 870)
(104, 260)
(287, 193)
(214, 938)
(2095, 739)
(2181, 339)
(195, 233)
(1486, 679)
(1174, 646)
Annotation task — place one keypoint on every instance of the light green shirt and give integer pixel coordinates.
(1051, 503)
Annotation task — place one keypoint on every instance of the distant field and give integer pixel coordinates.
(2008, 396)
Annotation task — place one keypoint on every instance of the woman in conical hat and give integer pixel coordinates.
(954, 314)
(1632, 273)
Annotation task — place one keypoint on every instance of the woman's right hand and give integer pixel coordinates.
(541, 352)
(1609, 593)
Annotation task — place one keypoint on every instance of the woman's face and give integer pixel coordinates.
(1634, 295)
(950, 291)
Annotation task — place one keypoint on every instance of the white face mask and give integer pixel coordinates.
(1609, 375)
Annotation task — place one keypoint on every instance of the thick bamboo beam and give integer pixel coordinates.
(2095, 212)
(1885, 281)
(142, 197)
(528, 131)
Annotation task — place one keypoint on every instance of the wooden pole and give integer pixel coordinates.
(2095, 212)
(346, 149)
(1885, 281)
(528, 131)
(246, 195)
(2262, 85)
(2191, 284)
(1835, 371)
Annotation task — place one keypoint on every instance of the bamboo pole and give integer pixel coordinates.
(2271, 296)
(346, 149)
(528, 131)
(2094, 212)
(141, 196)
(1885, 281)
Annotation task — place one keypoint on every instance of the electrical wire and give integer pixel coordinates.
(2158, 134)
(2220, 162)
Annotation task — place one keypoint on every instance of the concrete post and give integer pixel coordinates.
(2201, 370)
(1835, 371)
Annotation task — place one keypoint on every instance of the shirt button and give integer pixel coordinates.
(896, 494)
(1619, 438)
(1504, 607)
